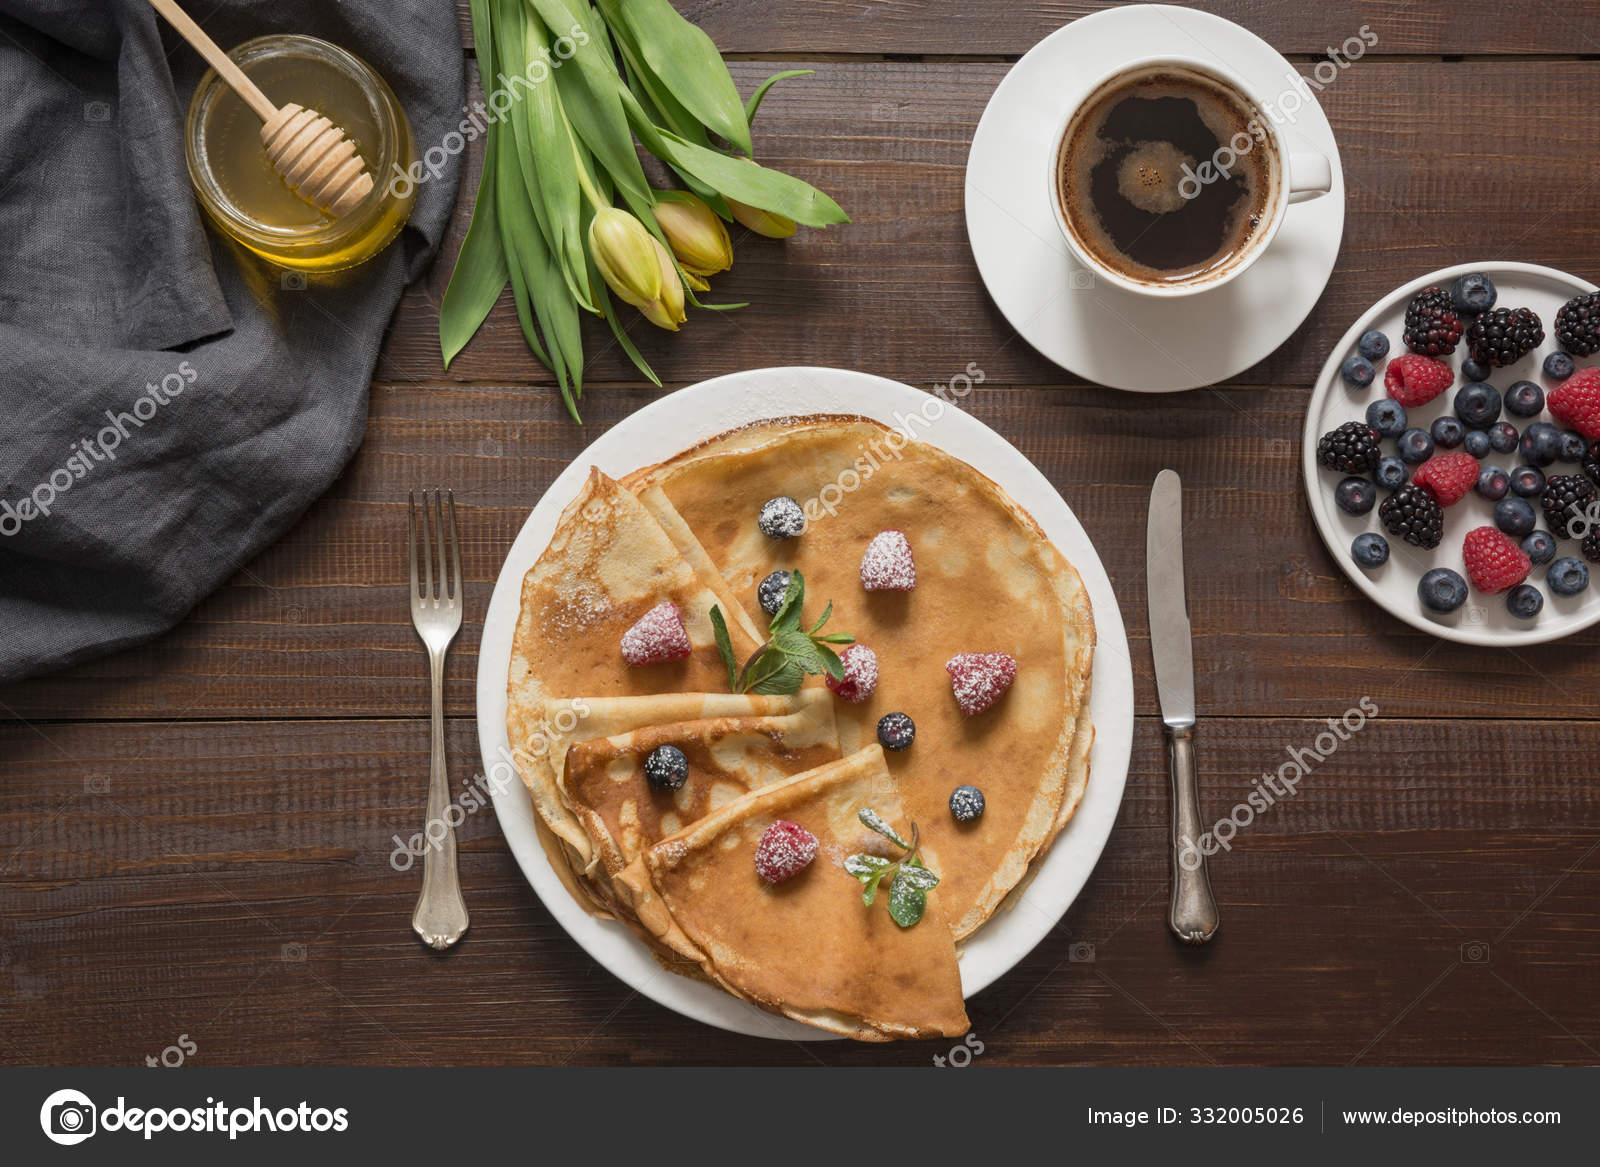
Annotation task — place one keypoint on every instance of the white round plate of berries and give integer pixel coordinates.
(1452, 454)
(688, 417)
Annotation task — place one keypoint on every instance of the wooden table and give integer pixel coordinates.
(195, 836)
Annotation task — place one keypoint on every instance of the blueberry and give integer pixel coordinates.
(1540, 547)
(1567, 576)
(896, 731)
(1524, 601)
(1528, 481)
(1387, 416)
(1493, 483)
(781, 518)
(1541, 441)
(1472, 293)
(1570, 446)
(1370, 550)
(1357, 372)
(1442, 590)
(1525, 399)
(1558, 366)
(1447, 432)
(1415, 446)
(1373, 345)
(1514, 516)
(1471, 370)
(1355, 496)
(1477, 443)
(1391, 473)
(1503, 437)
(770, 592)
(1477, 404)
(966, 804)
(666, 769)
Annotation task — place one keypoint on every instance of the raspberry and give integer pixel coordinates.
(1451, 477)
(1576, 402)
(887, 565)
(658, 636)
(1413, 379)
(979, 679)
(860, 674)
(785, 850)
(1495, 563)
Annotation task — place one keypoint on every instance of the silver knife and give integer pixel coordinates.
(1192, 914)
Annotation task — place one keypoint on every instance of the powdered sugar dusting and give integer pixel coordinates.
(785, 850)
(860, 674)
(659, 635)
(887, 565)
(979, 679)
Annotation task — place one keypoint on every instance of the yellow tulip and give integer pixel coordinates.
(666, 311)
(636, 267)
(697, 235)
(761, 222)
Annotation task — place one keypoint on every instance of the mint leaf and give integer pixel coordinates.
(826, 612)
(873, 821)
(835, 638)
(831, 664)
(870, 891)
(863, 865)
(787, 617)
(918, 876)
(907, 902)
(719, 627)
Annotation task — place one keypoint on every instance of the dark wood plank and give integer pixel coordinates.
(318, 625)
(958, 27)
(896, 291)
(232, 882)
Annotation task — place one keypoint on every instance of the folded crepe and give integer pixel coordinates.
(608, 563)
(808, 948)
(605, 785)
(988, 580)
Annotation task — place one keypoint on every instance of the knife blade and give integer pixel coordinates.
(1192, 912)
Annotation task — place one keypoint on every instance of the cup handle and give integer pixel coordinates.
(1310, 176)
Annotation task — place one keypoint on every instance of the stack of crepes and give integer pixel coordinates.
(677, 867)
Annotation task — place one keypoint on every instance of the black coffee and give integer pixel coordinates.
(1140, 184)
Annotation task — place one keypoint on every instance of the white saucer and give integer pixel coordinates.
(689, 416)
(1482, 620)
(1105, 334)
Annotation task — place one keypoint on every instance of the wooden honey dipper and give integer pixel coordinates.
(314, 156)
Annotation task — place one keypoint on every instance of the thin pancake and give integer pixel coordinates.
(808, 948)
(988, 580)
(607, 564)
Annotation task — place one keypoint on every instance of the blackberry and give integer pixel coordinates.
(1565, 497)
(1414, 516)
(1578, 325)
(1432, 326)
(1503, 336)
(1591, 463)
(1591, 546)
(1350, 449)
(666, 769)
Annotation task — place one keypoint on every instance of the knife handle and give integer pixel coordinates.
(1192, 914)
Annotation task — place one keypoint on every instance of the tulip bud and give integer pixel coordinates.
(666, 310)
(625, 254)
(697, 235)
(761, 222)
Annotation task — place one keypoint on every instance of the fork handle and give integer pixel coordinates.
(441, 915)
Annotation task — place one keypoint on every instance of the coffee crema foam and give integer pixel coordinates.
(1120, 178)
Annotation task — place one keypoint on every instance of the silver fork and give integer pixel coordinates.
(441, 915)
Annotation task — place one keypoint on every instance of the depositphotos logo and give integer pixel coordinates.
(70, 1116)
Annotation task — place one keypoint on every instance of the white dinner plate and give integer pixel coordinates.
(1105, 334)
(1482, 620)
(689, 416)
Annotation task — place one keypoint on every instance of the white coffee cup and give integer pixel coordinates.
(1291, 178)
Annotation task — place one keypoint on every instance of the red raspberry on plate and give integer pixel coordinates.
(1450, 477)
(1576, 402)
(979, 679)
(887, 565)
(658, 636)
(1495, 563)
(785, 850)
(1413, 379)
(860, 674)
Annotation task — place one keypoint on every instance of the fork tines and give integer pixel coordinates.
(449, 560)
